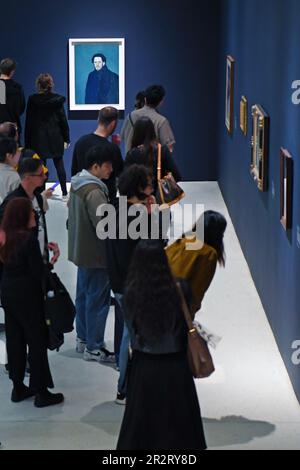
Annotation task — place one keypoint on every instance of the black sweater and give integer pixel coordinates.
(83, 145)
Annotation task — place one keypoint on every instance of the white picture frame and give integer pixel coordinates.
(85, 78)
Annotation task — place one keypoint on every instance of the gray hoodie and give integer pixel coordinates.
(84, 247)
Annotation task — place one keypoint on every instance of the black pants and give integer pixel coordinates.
(25, 326)
(61, 173)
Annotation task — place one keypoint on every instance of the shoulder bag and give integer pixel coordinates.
(199, 357)
(168, 191)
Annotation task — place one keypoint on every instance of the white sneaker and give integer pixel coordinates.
(99, 356)
(80, 346)
(65, 198)
(91, 355)
(121, 399)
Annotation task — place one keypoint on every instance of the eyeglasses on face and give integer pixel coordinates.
(39, 175)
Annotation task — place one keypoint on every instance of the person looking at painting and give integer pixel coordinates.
(15, 102)
(153, 99)
(102, 85)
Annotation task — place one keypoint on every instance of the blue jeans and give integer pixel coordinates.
(118, 333)
(92, 306)
(124, 351)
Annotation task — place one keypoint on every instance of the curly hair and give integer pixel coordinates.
(151, 296)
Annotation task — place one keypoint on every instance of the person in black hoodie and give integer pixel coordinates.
(46, 127)
(15, 102)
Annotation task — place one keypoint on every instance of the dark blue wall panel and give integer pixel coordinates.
(263, 37)
(167, 42)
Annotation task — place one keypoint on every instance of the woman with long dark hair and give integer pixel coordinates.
(23, 303)
(195, 259)
(162, 409)
(144, 151)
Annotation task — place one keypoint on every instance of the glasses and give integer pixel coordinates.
(39, 175)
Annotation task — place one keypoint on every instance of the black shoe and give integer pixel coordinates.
(18, 395)
(48, 399)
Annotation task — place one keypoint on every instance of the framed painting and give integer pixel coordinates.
(244, 115)
(229, 105)
(96, 74)
(286, 189)
(260, 145)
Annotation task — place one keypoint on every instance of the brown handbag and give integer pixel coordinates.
(168, 191)
(199, 357)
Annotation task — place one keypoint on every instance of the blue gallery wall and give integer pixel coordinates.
(167, 42)
(264, 37)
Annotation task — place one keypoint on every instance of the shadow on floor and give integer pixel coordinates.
(232, 430)
(107, 416)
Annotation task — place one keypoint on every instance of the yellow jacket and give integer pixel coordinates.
(197, 266)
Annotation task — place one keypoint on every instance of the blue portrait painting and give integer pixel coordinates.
(97, 73)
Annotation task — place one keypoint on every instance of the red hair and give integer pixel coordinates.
(15, 226)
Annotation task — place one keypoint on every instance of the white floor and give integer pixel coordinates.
(248, 403)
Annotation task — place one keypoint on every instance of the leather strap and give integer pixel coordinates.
(185, 310)
(158, 162)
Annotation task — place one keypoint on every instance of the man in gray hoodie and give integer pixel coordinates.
(87, 252)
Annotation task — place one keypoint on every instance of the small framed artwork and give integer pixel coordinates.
(96, 74)
(286, 188)
(260, 145)
(244, 115)
(229, 105)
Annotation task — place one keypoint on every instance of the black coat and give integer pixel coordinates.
(46, 127)
(15, 103)
(102, 87)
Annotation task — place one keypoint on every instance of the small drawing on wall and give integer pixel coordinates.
(96, 74)
(286, 188)
(244, 115)
(260, 146)
(229, 105)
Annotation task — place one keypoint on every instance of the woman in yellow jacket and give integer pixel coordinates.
(195, 261)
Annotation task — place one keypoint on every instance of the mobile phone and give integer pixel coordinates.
(54, 185)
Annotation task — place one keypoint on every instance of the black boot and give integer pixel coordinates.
(47, 398)
(20, 393)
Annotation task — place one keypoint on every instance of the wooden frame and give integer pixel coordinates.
(260, 144)
(286, 188)
(244, 115)
(229, 104)
(84, 90)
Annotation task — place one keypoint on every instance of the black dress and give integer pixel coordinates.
(22, 300)
(162, 409)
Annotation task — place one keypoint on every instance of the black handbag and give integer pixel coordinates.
(168, 191)
(59, 307)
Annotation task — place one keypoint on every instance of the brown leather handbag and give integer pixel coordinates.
(168, 191)
(200, 360)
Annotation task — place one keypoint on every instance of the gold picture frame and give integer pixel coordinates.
(286, 189)
(260, 144)
(244, 115)
(229, 104)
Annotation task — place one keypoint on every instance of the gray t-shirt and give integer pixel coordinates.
(41, 226)
(162, 126)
